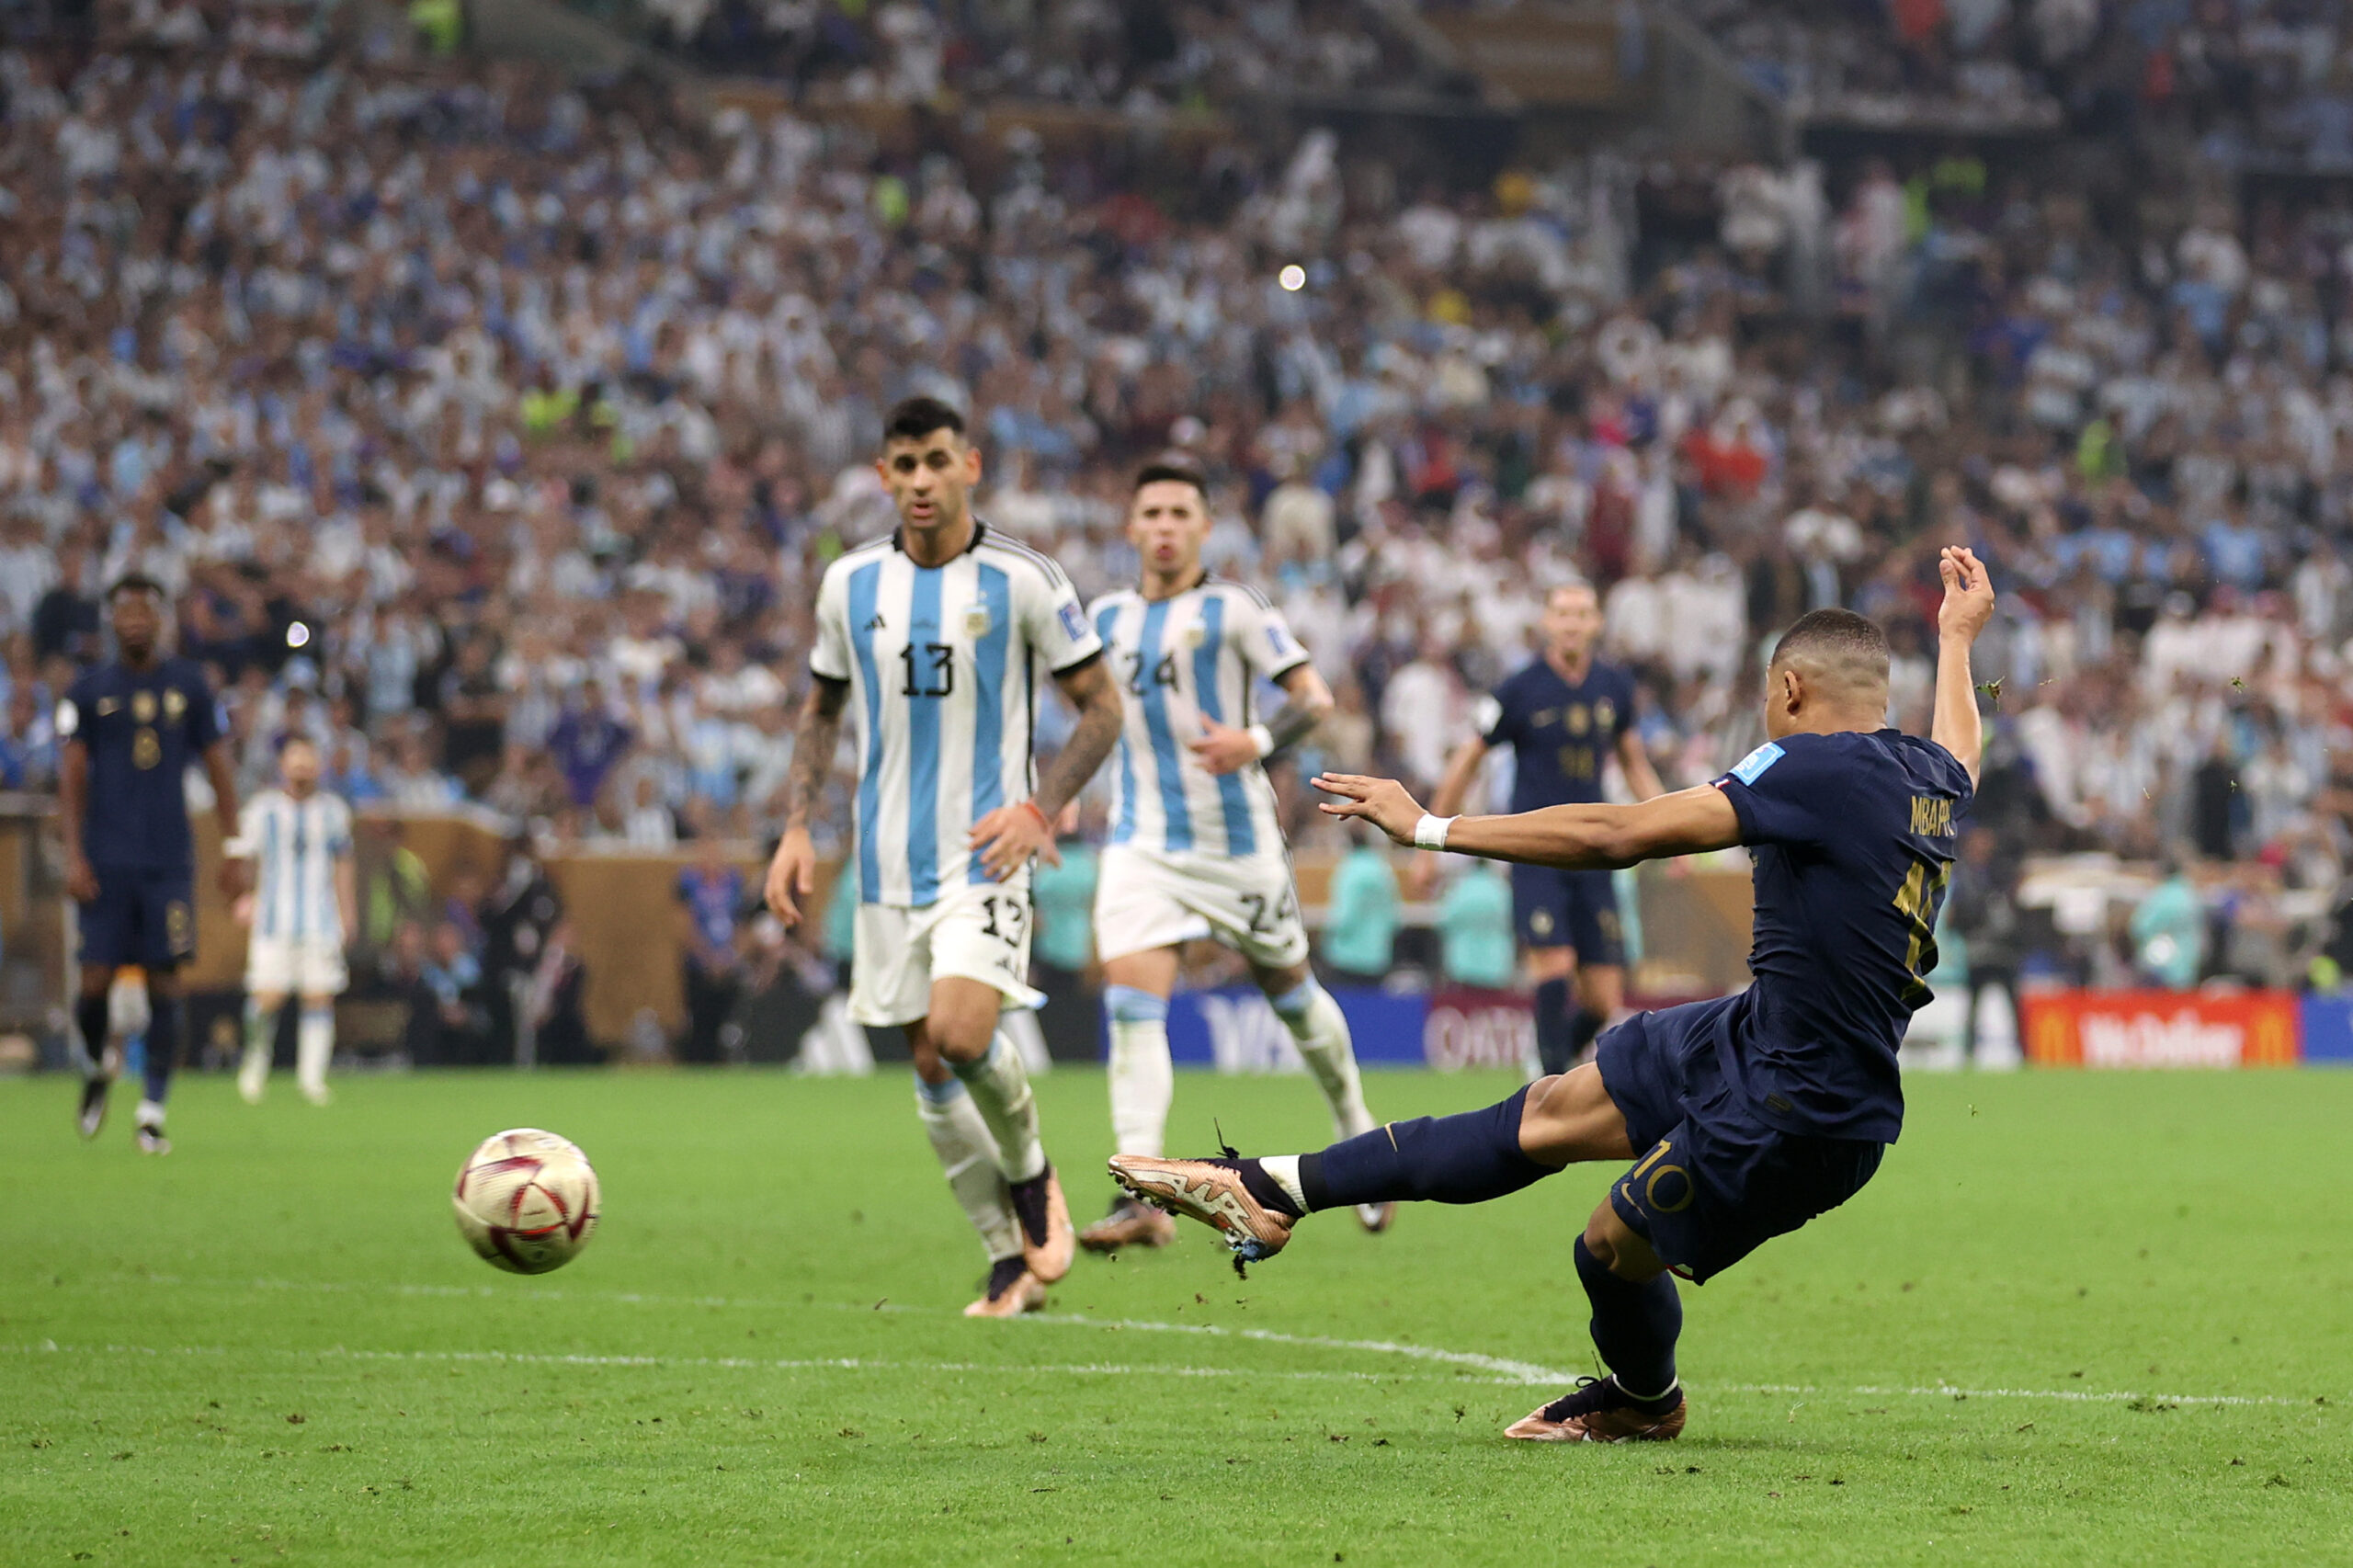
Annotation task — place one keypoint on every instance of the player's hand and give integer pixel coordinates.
(1969, 594)
(1223, 749)
(233, 880)
(1008, 836)
(792, 875)
(81, 882)
(1380, 801)
(240, 910)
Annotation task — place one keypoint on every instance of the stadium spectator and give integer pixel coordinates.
(1476, 943)
(1362, 914)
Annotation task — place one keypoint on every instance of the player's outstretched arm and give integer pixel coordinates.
(1969, 605)
(792, 875)
(1577, 837)
(1007, 836)
(1223, 749)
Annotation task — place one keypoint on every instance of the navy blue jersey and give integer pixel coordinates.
(1853, 843)
(142, 730)
(1852, 836)
(1560, 734)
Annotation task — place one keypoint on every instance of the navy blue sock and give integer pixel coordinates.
(90, 1013)
(1583, 1026)
(1553, 1048)
(166, 1036)
(1432, 1159)
(1635, 1326)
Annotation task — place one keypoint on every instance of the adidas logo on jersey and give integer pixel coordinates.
(875, 624)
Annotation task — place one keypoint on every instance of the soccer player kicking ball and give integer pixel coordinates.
(937, 636)
(304, 905)
(1751, 1114)
(130, 731)
(1563, 716)
(1195, 848)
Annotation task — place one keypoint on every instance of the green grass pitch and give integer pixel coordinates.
(2077, 1319)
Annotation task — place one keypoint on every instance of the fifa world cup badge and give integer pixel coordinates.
(143, 706)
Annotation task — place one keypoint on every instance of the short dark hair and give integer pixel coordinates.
(1172, 471)
(134, 582)
(916, 418)
(1837, 637)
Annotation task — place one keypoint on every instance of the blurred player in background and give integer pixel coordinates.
(1195, 848)
(1563, 717)
(302, 909)
(130, 730)
(938, 637)
(1757, 1111)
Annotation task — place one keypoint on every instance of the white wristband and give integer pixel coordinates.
(1430, 832)
(1263, 738)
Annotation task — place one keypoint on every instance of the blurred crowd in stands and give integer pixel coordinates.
(493, 430)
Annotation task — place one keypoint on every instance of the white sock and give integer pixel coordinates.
(1284, 1168)
(1000, 1088)
(968, 1154)
(313, 1046)
(151, 1113)
(1316, 1022)
(1142, 1081)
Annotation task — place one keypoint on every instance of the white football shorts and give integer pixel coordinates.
(1149, 897)
(974, 932)
(295, 966)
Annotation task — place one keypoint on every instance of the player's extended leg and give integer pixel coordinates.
(167, 1040)
(1468, 1158)
(102, 1058)
(261, 1034)
(968, 1156)
(1321, 1031)
(961, 1026)
(314, 1046)
(1141, 1082)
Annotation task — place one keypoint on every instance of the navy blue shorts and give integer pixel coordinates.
(1553, 908)
(1714, 1183)
(142, 916)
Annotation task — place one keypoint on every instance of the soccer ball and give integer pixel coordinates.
(526, 1200)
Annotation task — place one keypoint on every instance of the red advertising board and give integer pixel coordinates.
(2160, 1028)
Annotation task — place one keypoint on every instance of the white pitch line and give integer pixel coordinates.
(727, 1363)
(1512, 1372)
(1501, 1370)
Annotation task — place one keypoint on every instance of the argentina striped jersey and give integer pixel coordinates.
(1193, 656)
(294, 846)
(943, 664)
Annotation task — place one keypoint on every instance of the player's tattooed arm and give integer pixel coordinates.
(1007, 836)
(1223, 749)
(1097, 696)
(221, 771)
(792, 875)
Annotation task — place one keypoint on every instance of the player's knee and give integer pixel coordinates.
(1619, 1248)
